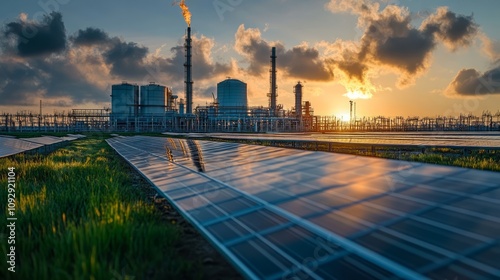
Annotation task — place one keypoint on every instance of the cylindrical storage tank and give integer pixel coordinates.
(153, 99)
(124, 100)
(232, 97)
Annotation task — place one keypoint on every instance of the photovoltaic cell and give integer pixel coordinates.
(409, 254)
(440, 237)
(10, 146)
(262, 259)
(290, 214)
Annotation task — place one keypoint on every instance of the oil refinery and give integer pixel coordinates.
(154, 108)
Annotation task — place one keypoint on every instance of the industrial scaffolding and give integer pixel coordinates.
(207, 120)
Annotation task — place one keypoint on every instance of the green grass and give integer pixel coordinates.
(475, 160)
(80, 217)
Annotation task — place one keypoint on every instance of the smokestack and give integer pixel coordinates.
(350, 120)
(189, 81)
(274, 88)
(354, 110)
(298, 100)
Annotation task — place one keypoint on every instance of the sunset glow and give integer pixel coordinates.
(353, 95)
(435, 59)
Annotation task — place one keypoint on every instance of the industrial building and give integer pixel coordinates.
(124, 101)
(154, 107)
(153, 100)
(232, 98)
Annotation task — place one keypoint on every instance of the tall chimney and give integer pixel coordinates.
(350, 116)
(298, 100)
(274, 88)
(189, 81)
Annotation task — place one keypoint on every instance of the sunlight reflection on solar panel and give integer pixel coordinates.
(282, 213)
(10, 146)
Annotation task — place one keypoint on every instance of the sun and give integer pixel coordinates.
(358, 94)
(342, 116)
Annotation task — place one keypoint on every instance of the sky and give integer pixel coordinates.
(393, 57)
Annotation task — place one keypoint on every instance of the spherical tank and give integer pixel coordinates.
(232, 93)
(153, 99)
(124, 100)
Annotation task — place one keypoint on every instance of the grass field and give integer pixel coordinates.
(79, 216)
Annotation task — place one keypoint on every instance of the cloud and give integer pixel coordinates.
(126, 59)
(453, 30)
(89, 37)
(470, 82)
(24, 83)
(82, 67)
(301, 62)
(131, 61)
(363, 8)
(27, 39)
(491, 48)
(19, 82)
(249, 43)
(391, 42)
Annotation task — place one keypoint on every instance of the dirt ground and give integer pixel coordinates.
(192, 245)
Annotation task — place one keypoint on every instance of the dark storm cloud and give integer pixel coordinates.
(18, 83)
(454, 30)
(470, 82)
(408, 52)
(127, 60)
(24, 83)
(303, 63)
(300, 62)
(353, 69)
(257, 51)
(62, 79)
(87, 63)
(89, 37)
(36, 38)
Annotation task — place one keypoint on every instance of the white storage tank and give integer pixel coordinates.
(153, 99)
(124, 100)
(232, 97)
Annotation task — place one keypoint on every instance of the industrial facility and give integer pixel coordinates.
(154, 108)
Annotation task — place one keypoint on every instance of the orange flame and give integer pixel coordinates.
(185, 12)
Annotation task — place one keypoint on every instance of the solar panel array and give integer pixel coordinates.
(291, 214)
(488, 139)
(10, 146)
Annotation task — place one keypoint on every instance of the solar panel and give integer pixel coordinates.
(11, 146)
(44, 140)
(294, 214)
